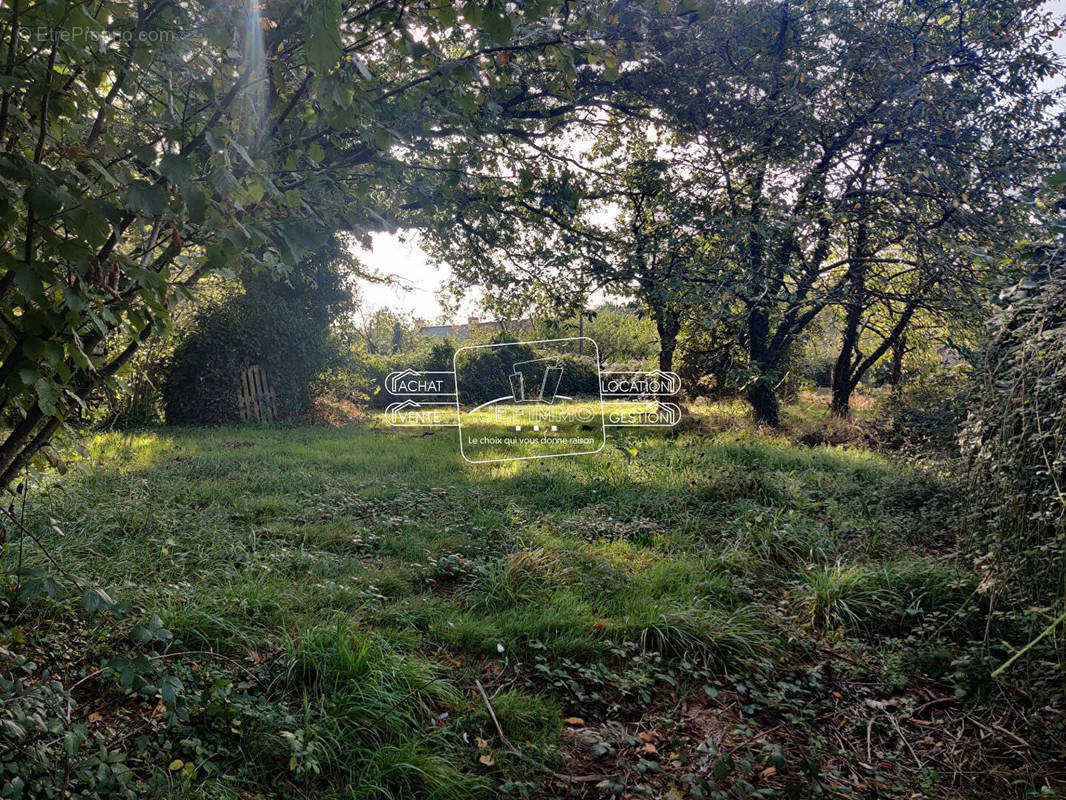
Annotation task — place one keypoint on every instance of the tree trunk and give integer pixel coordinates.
(668, 326)
(666, 354)
(843, 372)
(761, 395)
(840, 406)
(845, 378)
(895, 376)
(764, 404)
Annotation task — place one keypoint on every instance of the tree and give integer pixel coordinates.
(790, 124)
(656, 251)
(383, 332)
(624, 224)
(149, 145)
(806, 103)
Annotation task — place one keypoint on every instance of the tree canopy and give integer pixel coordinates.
(811, 146)
(148, 145)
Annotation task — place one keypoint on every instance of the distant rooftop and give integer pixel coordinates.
(473, 324)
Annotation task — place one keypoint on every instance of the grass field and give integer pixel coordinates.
(311, 611)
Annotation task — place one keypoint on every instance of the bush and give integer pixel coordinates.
(1015, 439)
(928, 413)
(483, 374)
(711, 358)
(283, 327)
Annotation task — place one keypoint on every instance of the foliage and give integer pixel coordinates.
(624, 335)
(150, 144)
(927, 414)
(283, 326)
(384, 332)
(889, 599)
(843, 121)
(712, 359)
(1015, 439)
(339, 709)
(41, 745)
(136, 398)
(483, 375)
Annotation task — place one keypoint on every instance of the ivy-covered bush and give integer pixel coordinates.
(281, 325)
(484, 375)
(1015, 438)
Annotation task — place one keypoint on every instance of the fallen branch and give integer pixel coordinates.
(899, 731)
(514, 751)
(1001, 730)
(1046, 632)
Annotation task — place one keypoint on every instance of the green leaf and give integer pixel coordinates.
(323, 48)
(43, 202)
(95, 600)
(498, 25)
(75, 302)
(255, 190)
(221, 254)
(28, 283)
(29, 375)
(472, 14)
(1056, 178)
(195, 203)
(610, 71)
(445, 13)
(145, 198)
(9, 82)
(53, 353)
(176, 168)
(75, 251)
(223, 182)
(47, 395)
(34, 348)
(77, 355)
(92, 226)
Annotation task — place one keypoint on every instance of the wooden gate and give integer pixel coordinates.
(255, 398)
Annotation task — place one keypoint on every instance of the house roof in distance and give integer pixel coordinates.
(473, 325)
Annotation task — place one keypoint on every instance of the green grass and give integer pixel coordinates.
(383, 575)
(886, 598)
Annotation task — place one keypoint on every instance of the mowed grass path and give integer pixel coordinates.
(710, 549)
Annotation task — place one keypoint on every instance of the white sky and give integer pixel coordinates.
(418, 282)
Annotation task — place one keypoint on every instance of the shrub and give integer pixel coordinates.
(282, 326)
(1015, 439)
(928, 413)
(710, 358)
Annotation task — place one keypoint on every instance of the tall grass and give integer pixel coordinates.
(371, 719)
(383, 575)
(886, 598)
